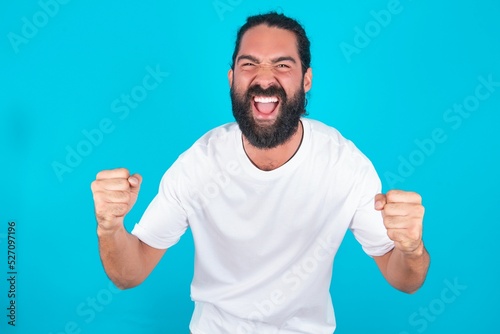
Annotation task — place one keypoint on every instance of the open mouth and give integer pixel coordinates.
(265, 106)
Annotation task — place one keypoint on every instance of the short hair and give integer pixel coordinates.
(273, 19)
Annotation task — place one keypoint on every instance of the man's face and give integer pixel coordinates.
(268, 87)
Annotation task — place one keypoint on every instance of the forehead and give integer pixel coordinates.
(263, 41)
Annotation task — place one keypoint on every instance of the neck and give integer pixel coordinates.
(272, 158)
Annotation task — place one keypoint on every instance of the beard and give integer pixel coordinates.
(265, 135)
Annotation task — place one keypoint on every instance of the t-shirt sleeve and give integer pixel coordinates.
(165, 220)
(367, 224)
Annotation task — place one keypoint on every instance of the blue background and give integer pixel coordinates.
(394, 90)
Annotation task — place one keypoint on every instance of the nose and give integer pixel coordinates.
(265, 77)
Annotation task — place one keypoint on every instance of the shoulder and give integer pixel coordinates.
(325, 137)
(212, 152)
(206, 155)
(218, 140)
(221, 133)
(339, 163)
(343, 156)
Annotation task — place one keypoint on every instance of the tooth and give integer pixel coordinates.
(264, 99)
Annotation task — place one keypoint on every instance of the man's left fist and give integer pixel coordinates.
(403, 214)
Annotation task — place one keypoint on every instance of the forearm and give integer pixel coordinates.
(121, 256)
(407, 272)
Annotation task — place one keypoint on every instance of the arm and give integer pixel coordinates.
(404, 272)
(126, 260)
(405, 267)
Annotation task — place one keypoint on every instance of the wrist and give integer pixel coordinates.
(103, 231)
(417, 252)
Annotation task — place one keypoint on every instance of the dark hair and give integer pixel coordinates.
(273, 19)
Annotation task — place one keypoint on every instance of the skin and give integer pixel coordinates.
(404, 267)
(267, 56)
(126, 259)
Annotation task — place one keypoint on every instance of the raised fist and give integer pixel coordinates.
(115, 193)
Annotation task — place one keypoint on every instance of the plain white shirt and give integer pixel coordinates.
(265, 241)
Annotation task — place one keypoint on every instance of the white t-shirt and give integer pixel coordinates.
(265, 241)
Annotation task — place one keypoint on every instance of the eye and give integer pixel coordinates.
(247, 65)
(282, 66)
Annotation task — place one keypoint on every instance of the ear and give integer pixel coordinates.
(308, 80)
(230, 77)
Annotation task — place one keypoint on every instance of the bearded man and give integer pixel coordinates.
(268, 200)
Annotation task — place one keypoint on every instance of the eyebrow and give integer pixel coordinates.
(274, 61)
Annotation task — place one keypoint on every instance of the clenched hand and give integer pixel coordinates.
(403, 215)
(115, 193)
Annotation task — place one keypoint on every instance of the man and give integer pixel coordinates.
(268, 200)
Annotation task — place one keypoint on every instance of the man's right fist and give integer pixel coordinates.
(115, 192)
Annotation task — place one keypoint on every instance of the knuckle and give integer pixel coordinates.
(391, 194)
(98, 196)
(102, 174)
(393, 235)
(100, 209)
(113, 173)
(395, 195)
(387, 212)
(416, 223)
(415, 233)
(414, 197)
(98, 185)
(124, 183)
(417, 211)
(121, 172)
(414, 236)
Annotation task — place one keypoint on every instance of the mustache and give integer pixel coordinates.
(270, 91)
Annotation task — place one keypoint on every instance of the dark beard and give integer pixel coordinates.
(285, 125)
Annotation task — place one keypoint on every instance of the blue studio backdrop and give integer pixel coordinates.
(92, 85)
